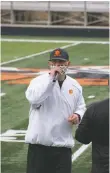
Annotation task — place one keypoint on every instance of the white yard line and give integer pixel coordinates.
(52, 41)
(79, 152)
(37, 54)
(11, 139)
(2, 94)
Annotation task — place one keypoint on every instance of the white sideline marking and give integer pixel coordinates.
(36, 54)
(79, 152)
(11, 139)
(2, 94)
(52, 41)
(11, 135)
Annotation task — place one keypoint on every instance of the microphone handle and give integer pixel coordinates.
(56, 76)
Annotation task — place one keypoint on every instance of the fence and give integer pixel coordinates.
(52, 13)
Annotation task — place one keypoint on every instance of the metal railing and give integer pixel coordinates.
(49, 13)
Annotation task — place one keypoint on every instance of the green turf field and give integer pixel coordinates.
(14, 113)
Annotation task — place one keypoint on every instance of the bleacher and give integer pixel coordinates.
(55, 13)
(64, 6)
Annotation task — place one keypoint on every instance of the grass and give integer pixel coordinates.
(15, 106)
(56, 38)
(23, 49)
(97, 54)
(83, 164)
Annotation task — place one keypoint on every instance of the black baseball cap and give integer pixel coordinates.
(59, 54)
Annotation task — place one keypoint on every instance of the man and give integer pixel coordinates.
(56, 103)
(94, 128)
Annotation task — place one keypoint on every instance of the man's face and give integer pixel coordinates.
(59, 63)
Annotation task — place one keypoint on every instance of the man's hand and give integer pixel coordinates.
(74, 119)
(55, 70)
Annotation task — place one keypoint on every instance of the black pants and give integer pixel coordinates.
(44, 159)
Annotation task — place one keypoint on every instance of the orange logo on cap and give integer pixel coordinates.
(70, 91)
(57, 53)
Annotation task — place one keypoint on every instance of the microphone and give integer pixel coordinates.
(56, 76)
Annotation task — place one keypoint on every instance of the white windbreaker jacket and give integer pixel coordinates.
(50, 108)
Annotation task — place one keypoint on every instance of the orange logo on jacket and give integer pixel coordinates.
(70, 91)
(57, 53)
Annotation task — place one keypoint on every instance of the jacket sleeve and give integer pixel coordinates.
(81, 106)
(83, 133)
(39, 89)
